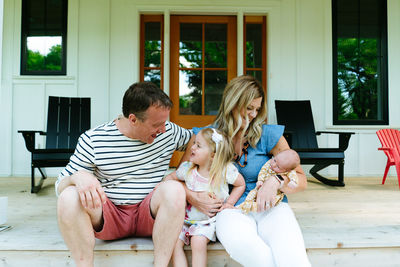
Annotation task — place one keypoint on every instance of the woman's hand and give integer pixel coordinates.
(302, 182)
(205, 202)
(266, 195)
(226, 206)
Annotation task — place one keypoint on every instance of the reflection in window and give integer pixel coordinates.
(153, 76)
(151, 47)
(254, 45)
(43, 37)
(190, 45)
(215, 45)
(215, 82)
(190, 92)
(360, 62)
(152, 44)
(44, 53)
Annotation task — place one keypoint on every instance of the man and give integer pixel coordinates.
(112, 188)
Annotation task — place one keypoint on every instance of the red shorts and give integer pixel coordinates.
(126, 220)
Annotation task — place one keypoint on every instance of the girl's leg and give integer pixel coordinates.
(279, 229)
(238, 234)
(178, 256)
(199, 250)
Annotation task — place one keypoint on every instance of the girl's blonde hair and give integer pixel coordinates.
(223, 154)
(237, 96)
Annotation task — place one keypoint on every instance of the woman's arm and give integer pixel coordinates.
(203, 201)
(266, 196)
(302, 183)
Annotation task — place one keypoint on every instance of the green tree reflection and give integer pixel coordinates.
(39, 62)
(357, 79)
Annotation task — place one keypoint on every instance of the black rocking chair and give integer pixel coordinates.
(67, 119)
(300, 133)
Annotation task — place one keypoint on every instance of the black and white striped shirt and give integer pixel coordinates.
(127, 169)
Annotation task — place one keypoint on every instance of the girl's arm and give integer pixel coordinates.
(238, 188)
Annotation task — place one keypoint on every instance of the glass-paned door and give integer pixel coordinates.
(255, 60)
(151, 49)
(203, 60)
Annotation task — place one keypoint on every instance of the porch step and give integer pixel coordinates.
(358, 225)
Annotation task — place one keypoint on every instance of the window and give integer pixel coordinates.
(203, 60)
(43, 37)
(151, 49)
(255, 59)
(360, 86)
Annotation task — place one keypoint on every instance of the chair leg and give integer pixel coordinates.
(398, 172)
(386, 172)
(327, 181)
(36, 188)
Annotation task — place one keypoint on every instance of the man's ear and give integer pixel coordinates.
(132, 118)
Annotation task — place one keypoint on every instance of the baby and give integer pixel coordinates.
(284, 163)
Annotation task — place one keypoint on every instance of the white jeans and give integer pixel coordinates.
(272, 238)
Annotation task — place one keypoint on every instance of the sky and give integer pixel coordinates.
(42, 44)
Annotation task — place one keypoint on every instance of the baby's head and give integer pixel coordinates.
(285, 161)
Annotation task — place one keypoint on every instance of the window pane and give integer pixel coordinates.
(44, 53)
(152, 44)
(215, 82)
(361, 66)
(153, 76)
(43, 35)
(254, 45)
(215, 45)
(255, 73)
(190, 45)
(190, 92)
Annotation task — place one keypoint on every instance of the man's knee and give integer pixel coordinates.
(68, 203)
(170, 193)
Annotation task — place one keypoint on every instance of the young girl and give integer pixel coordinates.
(208, 169)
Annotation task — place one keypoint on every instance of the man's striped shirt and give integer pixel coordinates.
(128, 169)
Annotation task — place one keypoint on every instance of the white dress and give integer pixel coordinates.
(196, 222)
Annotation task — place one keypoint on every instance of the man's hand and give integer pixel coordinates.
(89, 189)
(205, 202)
(266, 195)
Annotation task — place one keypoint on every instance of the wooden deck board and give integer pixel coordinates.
(340, 225)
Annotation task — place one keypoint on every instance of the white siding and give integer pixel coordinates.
(103, 60)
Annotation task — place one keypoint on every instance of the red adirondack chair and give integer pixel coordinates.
(390, 140)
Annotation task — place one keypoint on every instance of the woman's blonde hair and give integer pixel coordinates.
(223, 154)
(238, 95)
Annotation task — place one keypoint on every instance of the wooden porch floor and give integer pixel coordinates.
(358, 225)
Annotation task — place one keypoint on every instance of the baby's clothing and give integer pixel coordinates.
(265, 173)
(196, 222)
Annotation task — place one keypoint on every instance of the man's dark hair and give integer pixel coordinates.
(140, 96)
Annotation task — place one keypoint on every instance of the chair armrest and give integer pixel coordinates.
(392, 153)
(344, 138)
(29, 137)
(331, 132)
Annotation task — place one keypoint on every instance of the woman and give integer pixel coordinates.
(270, 237)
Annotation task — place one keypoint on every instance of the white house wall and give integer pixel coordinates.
(103, 60)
